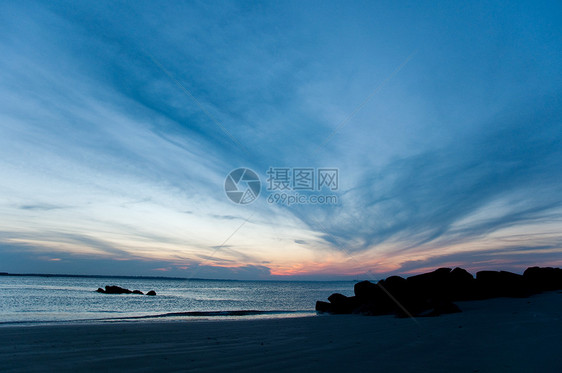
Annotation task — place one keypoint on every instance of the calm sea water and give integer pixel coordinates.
(30, 299)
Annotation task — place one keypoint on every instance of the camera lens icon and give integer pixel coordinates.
(242, 186)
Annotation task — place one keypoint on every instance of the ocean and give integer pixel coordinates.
(38, 299)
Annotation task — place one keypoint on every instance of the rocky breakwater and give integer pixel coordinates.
(433, 293)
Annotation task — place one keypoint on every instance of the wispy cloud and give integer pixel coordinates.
(512, 165)
(103, 153)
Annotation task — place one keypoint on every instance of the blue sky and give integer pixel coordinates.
(119, 122)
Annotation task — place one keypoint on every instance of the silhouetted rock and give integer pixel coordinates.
(397, 297)
(371, 299)
(337, 298)
(459, 275)
(394, 295)
(493, 284)
(110, 289)
(366, 290)
(431, 285)
(340, 304)
(461, 285)
(323, 307)
(395, 285)
(433, 293)
(543, 279)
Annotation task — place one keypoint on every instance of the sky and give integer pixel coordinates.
(120, 122)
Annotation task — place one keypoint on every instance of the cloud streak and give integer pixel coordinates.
(103, 153)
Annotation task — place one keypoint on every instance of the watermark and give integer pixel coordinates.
(242, 186)
(302, 178)
(301, 199)
(286, 185)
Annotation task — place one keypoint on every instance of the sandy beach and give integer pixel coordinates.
(496, 335)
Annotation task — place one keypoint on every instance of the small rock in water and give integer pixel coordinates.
(110, 289)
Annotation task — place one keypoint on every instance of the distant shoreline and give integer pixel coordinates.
(104, 276)
(6, 274)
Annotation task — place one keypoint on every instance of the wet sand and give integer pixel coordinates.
(497, 335)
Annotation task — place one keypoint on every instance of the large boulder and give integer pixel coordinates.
(340, 304)
(395, 285)
(366, 290)
(151, 292)
(374, 299)
(403, 297)
(461, 285)
(393, 295)
(492, 284)
(323, 307)
(367, 295)
(432, 285)
(398, 297)
(543, 279)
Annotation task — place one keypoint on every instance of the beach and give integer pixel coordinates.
(495, 335)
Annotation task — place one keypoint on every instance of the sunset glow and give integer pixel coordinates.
(119, 124)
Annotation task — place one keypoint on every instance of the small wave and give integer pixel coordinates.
(20, 322)
(208, 314)
(188, 314)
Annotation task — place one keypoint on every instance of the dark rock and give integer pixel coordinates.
(366, 290)
(371, 299)
(337, 298)
(416, 295)
(138, 292)
(433, 293)
(323, 307)
(391, 296)
(116, 290)
(340, 304)
(459, 275)
(395, 285)
(543, 279)
(397, 296)
(151, 292)
(431, 285)
(493, 284)
(461, 285)
(100, 290)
